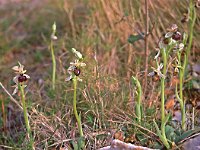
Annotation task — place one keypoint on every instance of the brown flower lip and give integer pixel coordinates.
(22, 78)
(177, 36)
(77, 71)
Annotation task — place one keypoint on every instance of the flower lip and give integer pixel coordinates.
(177, 36)
(23, 77)
(77, 71)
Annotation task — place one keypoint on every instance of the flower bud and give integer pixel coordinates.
(77, 53)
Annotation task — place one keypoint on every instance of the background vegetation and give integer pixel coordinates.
(100, 31)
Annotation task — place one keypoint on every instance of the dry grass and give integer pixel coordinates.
(99, 29)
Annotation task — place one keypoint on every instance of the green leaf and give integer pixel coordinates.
(81, 143)
(187, 134)
(157, 145)
(170, 133)
(133, 38)
(75, 145)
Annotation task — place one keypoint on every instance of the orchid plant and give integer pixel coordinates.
(172, 41)
(20, 80)
(53, 38)
(74, 71)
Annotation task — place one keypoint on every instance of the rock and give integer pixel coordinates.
(192, 144)
(119, 145)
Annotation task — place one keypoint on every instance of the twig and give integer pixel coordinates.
(60, 142)
(11, 98)
(8, 147)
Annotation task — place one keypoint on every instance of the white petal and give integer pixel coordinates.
(82, 64)
(73, 64)
(157, 55)
(154, 69)
(79, 79)
(27, 76)
(68, 78)
(20, 65)
(15, 79)
(160, 66)
(71, 68)
(73, 50)
(181, 46)
(16, 68)
(23, 71)
(15, 90)
(161, 75)
(168, 34)
(151, 74)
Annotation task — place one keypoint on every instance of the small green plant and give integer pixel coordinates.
(192, 19)
(19, 81)
(182, 61)
(171, 41)
(139, 96)
(74, 71)
(53, 38)
(180, 66)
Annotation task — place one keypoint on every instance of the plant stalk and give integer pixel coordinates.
(139, 96)
(191, 28)
(163, 119)
(146, 43)
(3, 113)
(182, 104)
(21, 87)
(78, 119)
(54, 65)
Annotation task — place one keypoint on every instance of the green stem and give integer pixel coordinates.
(185, 61)
(191, 27)
(182, 100)
(54, 65)
(180, 96)
(162, 138)
(78, 119)
(26, 116)
(163, 85)
(139, 96)
(163, 119)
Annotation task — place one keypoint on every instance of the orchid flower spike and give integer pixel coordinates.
(20, 77)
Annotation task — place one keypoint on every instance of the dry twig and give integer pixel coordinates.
(12, 99)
